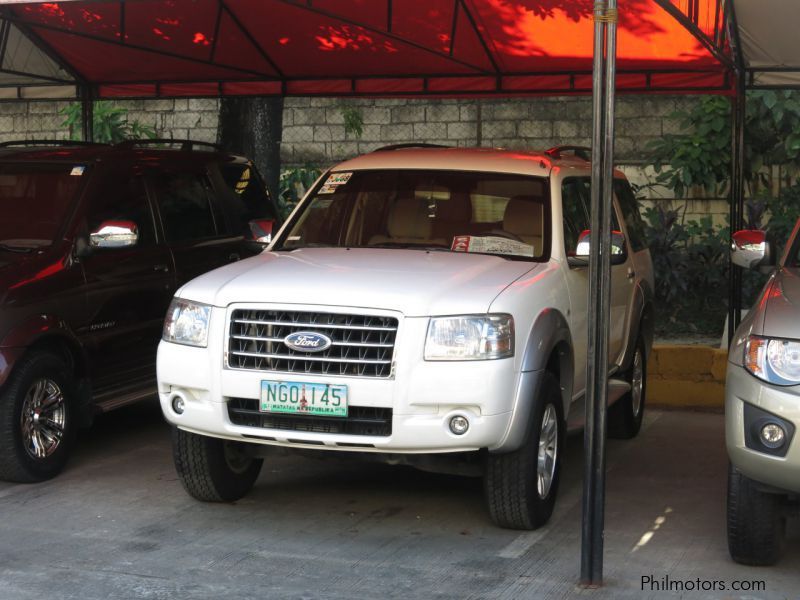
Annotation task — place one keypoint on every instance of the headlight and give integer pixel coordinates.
(478, 337)
(187, 323)
(773, 360)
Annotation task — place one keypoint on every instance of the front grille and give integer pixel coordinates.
(360, 420)
(363, 345)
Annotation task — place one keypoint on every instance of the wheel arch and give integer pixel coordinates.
(548, 349)
(47, 333)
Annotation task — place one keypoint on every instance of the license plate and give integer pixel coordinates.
(295, 397)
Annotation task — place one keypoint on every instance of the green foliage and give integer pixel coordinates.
(701, 156)
(294, 184)
(784, 212)
(110, 122)
(353, 121)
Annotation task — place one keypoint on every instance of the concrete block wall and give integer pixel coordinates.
(181, 118)
(314, 132)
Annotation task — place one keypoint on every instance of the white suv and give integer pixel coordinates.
(426, 306)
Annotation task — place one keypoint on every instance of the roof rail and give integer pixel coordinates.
(186, 145)
(408, 145)
(582, 152)
(15, 143)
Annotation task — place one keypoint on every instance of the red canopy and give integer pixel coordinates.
(153, 48)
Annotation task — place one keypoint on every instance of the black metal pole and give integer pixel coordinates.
(87, 113)
(594, 480)
(738, 106)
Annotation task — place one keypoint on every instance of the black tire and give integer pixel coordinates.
(211, 469)
(625, 415)
(510, 479)
(35, 446)
(756, 521)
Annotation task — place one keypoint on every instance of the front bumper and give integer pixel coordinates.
(741, 388)
(423, 396)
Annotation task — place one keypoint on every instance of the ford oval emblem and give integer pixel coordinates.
(307, 341)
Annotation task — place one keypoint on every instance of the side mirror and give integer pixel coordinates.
(114, 234)
(261, 230)
(750, 249)
(580, 258)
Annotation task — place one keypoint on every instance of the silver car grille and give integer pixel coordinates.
(362, 345)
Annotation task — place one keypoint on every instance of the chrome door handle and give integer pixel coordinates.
(163, 268)
(630, 274)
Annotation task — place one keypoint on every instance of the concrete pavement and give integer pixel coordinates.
(117, 524)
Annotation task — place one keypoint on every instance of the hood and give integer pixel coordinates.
(782, 313)
(415, 282)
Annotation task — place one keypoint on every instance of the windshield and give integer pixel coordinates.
(34, 200)
(455, 211)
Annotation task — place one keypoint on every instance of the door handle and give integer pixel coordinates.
(630, 274)
(162, 268)
(233, 257)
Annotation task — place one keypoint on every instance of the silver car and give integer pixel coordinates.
(762, 405)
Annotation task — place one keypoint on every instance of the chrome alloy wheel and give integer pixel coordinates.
(637, 383)
(42, 418)
(548, 451)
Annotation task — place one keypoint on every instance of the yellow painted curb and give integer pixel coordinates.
(686, 377)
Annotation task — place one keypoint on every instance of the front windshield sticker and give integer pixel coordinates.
(338, 179)
(490, 244)
(77, 171)
(327, 189)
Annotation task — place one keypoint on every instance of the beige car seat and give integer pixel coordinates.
(408, 223)
(524, 217)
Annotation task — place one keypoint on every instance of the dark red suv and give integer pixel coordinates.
(94, 241)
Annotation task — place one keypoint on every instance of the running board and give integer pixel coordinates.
(617, 388)
(577, 416)
(120, 400)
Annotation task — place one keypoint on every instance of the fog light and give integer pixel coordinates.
(178, 404)
(459, 425)
(772, 435)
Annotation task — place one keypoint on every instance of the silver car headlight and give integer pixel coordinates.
(773, 360)
(470, 337)
(187, 323)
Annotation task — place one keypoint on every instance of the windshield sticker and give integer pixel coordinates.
(77, 171)
(490, 244)
(327, 189)
(338, 178)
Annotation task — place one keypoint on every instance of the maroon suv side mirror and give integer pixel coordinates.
(261, 230)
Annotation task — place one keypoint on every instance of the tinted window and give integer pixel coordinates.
(34, 202)
(576, 205)
(488, 213)
(185, 207)
(630, 212)
(120, 197)
(246, 195)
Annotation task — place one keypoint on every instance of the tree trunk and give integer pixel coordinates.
(253, 127)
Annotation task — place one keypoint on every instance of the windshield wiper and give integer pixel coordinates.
(406, 246)
(18, 249)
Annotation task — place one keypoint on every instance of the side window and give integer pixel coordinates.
(185, 207)
(120, 197)
(246, 196)
(575, 206)
(630, 212)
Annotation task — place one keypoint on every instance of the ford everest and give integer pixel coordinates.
(424, 306)
(94, 241)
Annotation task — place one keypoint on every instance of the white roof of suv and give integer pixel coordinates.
(497, 160)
